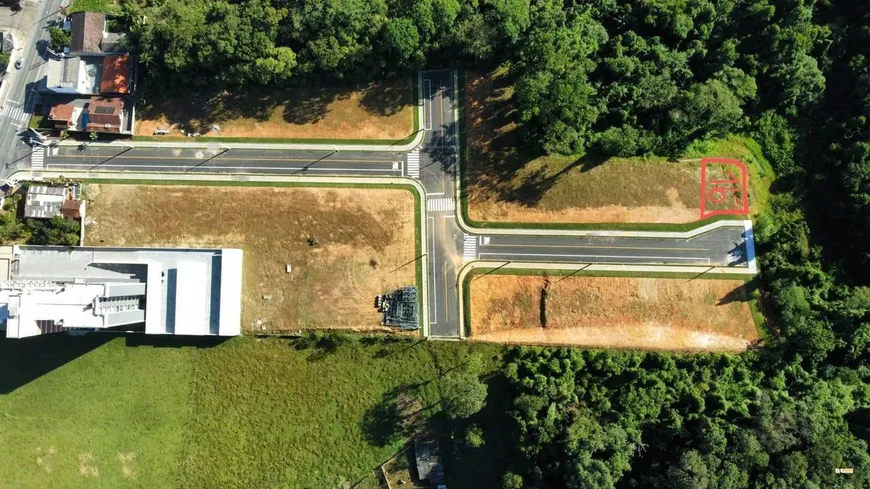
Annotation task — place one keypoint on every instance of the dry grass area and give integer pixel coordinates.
(381, 110)
(364, 236)
(507, 184)
(612, 312)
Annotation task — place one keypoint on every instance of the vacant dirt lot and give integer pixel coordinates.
(614, 312)
(374, 111)
(364, 237)
(508, 184)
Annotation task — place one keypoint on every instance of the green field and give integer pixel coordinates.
(115, 412)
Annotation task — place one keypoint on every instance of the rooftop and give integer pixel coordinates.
(105, 114)
(116, 74)
(62, 112)
(87, 31)
(161, 290)
(43, 201)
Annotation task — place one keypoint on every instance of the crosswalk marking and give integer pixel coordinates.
(414, 164)
(440, 204)
(14, 113)
(37, 158)
(469, 247)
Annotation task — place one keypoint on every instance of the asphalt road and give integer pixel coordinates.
(219, 160)
(24, 83)
(437, 172)
(721, 247)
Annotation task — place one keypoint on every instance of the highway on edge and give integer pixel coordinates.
(434, 163)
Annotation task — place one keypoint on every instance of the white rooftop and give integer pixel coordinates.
(159, 290)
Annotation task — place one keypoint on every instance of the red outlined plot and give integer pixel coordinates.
(724, 196)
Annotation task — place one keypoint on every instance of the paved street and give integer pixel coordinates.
(723, 246)
(216, 159)
(434, 164)
(31, 29)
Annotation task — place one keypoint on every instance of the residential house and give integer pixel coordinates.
(105, 114)
(87, 32)
(427, 456)
(64, 116)
(47, 201)
(95, 78)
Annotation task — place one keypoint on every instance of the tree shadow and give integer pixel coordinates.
(739, 294)
(406, 345)
(322, 344)
(25, 360)
(473, 467)
(385, 100)
(172, 341)
(498, 164)
(199, 111)
(398, 415)
(311, 108)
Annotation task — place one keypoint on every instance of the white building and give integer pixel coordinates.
(183, 291)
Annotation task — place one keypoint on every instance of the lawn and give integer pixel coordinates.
(507, 184)
(613, 312)
(108, 6)
(99, 411)
(365, 243)
(112, 417)
(375, 111)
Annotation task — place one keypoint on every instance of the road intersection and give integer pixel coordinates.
(433, 162)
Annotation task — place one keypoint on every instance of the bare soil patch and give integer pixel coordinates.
(365, 244)
(381, 110)
(508, 184)
(612, 312)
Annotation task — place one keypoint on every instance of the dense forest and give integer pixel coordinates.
(634, 77)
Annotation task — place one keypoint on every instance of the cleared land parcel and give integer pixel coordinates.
(617, 312)
(363, 243)
(383, 110)
(507, 184)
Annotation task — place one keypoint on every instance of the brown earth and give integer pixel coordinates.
(613, 312)
(365, 243)
(381, 110)
(508, 184)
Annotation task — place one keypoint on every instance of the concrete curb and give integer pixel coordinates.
(586, 267)
(362, 181)
(414, 143)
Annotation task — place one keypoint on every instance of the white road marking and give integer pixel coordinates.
(469, 247)
(37, 158)
(213, 167)
(434, 309)
(440, 204)
(550, 255)
(427, 95)
(414, 164)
